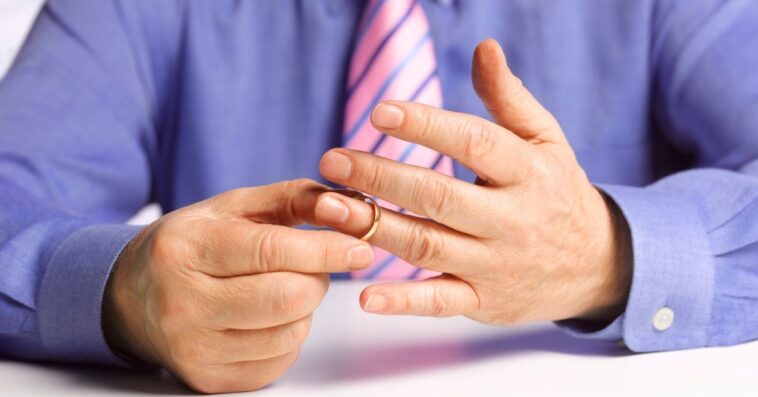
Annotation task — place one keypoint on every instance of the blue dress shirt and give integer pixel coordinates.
(115, 104)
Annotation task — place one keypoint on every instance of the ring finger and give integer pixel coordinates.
(421, 242)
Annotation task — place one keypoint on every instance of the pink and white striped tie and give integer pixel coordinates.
(393, 59)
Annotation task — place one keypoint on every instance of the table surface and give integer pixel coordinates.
(352, 353)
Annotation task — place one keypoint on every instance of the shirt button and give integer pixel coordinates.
(663, 319)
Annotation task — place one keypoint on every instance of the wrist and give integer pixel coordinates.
(121, 311)
(615, 273)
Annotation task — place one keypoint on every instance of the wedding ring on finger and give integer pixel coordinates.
(376, 210)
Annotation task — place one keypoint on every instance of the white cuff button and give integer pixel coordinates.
(663, 319)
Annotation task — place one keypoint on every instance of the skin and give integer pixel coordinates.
(222, 292)
(531, 240)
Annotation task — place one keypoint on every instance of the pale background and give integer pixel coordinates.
(15, 18)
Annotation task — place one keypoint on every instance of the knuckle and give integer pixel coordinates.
(438, 198)
(268, 249)
(184, 350)
(292, 298)
(440, 304)
(478, 140)
(323, 255)
(541, 169)
(426, 123)
(294, 189)
(281, 342)
(373, 175)
(299, 332)
(164, 244)
(169, 313)
(292, 357)
(531, 237)
(290, 337)
(168, 318)
(424, 245)
(404, 303)
(298, 184)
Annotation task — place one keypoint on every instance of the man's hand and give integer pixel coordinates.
(533, 239)
(221, 292)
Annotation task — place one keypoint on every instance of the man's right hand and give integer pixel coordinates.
(221, 292)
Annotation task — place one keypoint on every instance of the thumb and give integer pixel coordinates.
(509, 103)
(287, 203)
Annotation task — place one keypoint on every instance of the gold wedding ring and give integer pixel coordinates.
(376, 210)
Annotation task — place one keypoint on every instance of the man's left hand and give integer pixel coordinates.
(532, 239)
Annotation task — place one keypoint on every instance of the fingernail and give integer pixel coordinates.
(336, 166)
(375, 303)
(387, 116)
(360, 256)
(331, 210)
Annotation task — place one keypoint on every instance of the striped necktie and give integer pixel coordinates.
(393, 59)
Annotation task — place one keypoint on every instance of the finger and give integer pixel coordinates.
(237, 377)
(445, 199)
(233, 345)
(418, 241)
(263, 300)
(236, 248)
(286, 203)
(507, 100)
(490, 151)
(441, 296)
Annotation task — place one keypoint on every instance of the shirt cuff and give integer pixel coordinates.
(673, 269)
(71, 294)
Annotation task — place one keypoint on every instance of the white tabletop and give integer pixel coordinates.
(352, 353)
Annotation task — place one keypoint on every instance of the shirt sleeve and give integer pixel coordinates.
(695, 233)
(77, 140)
